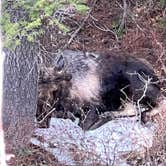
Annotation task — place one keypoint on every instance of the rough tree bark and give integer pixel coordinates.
(20, 93)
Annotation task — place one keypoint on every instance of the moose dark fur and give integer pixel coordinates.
(85, 85)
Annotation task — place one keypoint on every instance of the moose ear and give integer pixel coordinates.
(60, 63)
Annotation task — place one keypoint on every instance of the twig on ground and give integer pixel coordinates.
(123, 21)
(102, 27)
(80, 27)
(50, 112)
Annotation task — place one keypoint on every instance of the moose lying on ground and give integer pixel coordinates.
(91, 87)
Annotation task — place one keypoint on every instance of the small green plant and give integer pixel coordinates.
(36, 11)
(162, 22)
(162, 3)
(119, 32)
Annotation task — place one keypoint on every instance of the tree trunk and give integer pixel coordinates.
(20, 93)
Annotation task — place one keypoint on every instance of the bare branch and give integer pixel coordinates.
(122, 24)
(50, 112)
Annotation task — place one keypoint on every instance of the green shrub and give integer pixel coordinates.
(36, 12)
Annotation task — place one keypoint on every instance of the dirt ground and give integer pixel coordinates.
(143, 35)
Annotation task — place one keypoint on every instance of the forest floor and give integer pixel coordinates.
(138, 28)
